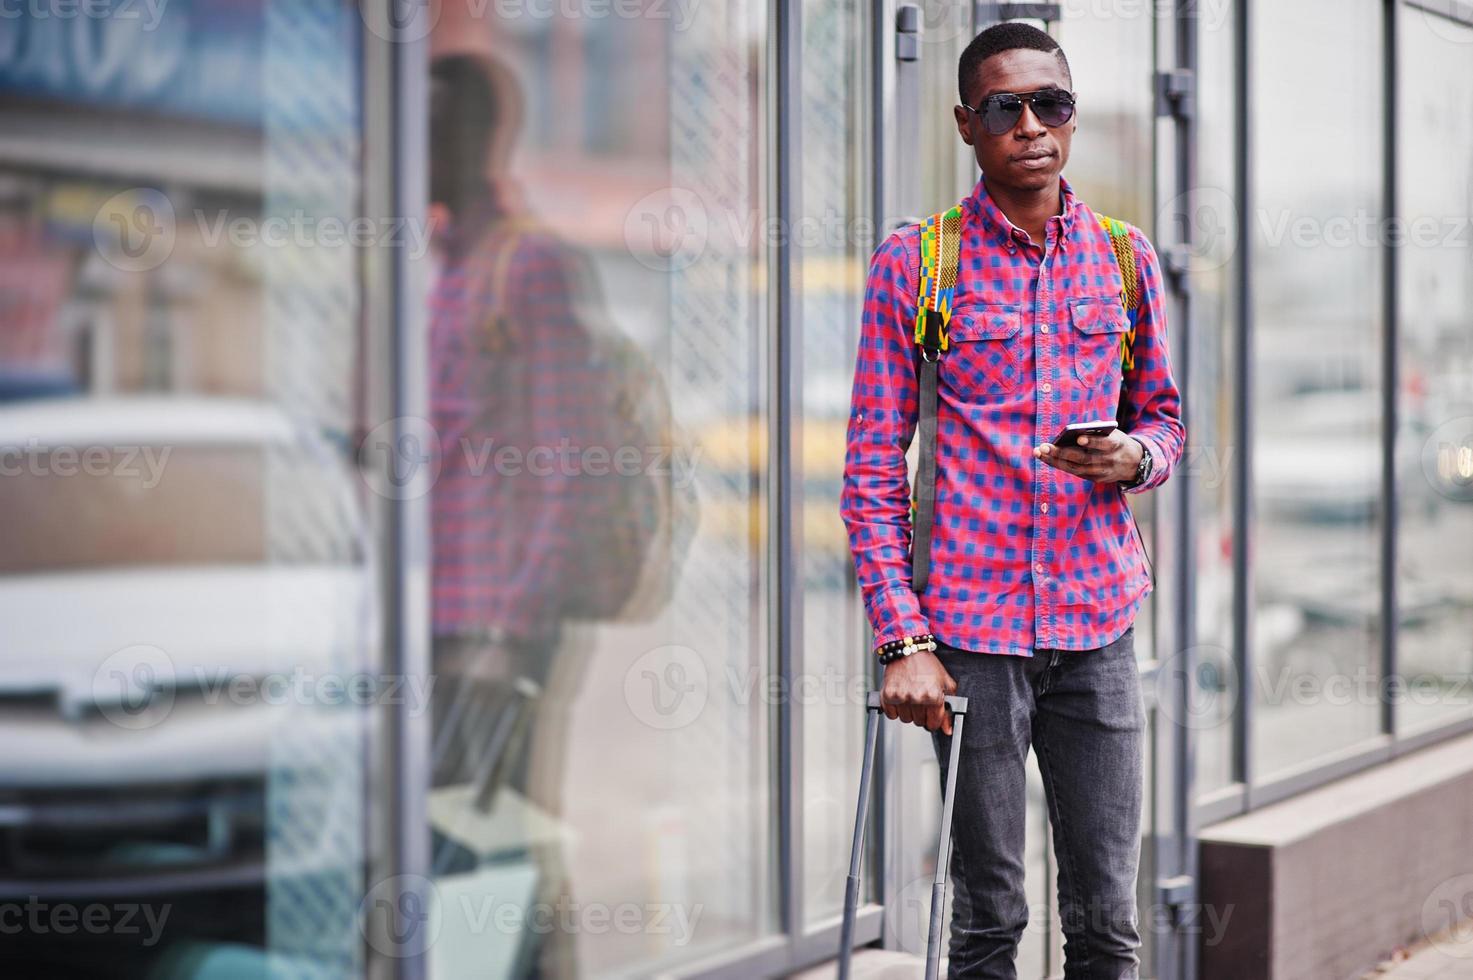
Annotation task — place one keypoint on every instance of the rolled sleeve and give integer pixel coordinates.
(875, 500)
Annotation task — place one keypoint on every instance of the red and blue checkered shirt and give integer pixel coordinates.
(507, 388)
(1023, 555)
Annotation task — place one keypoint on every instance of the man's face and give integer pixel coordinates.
(1030, 156)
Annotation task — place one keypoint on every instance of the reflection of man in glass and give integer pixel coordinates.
(505, 392)
(1035, 574)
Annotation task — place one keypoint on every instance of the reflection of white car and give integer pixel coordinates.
(163, 557)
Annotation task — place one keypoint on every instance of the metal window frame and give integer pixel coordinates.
(405, 63)
(1248, 791)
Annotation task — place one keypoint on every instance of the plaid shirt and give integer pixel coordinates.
(504, 530)
(1023, 555)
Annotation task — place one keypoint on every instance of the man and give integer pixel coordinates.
(1036, 569)
(507, 538)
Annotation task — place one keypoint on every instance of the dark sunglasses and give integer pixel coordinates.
(1001, 112)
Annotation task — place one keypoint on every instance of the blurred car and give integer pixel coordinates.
(163, 557)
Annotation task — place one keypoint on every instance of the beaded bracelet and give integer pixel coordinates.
(905, 646)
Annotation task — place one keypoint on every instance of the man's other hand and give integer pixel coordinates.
(914, 692)
(1104, 459)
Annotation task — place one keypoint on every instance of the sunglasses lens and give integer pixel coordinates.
(1052, 110)
(1001, 115)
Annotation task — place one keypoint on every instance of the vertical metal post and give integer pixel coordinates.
(407, 556)
(1390, 371)
(785, 466)
(1243, 402)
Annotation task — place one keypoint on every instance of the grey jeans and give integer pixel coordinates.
(1083, 714)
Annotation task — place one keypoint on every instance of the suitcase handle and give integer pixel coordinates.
(958, 706)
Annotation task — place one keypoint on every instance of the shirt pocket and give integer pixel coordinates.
(1096, 340)
(983, 355)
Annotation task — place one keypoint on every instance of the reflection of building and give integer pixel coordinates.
(712, 752)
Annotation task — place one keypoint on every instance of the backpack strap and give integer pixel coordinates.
(940, 257)
(1132, 292)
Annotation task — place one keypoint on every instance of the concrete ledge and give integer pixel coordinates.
(1328, 883)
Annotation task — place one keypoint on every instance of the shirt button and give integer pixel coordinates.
(1043, 328)
(1046, 387)
(1038, 568)
(1043, 507)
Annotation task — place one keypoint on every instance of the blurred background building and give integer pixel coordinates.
(224, 285)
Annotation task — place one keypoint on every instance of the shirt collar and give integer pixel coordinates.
(1003, 231)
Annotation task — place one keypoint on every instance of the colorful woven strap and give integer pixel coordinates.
(1131, 292)
(941, 236)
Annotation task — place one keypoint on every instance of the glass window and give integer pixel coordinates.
(604, 750)
(1435, 393)
(1112, 169)
(1316, 380)
(188, 572)
(834, 239)
(1212, 454)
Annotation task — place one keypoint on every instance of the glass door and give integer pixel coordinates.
(1128, 158)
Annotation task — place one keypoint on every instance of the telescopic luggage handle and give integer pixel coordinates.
(958, 707)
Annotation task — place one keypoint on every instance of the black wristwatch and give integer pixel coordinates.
(1143, 471)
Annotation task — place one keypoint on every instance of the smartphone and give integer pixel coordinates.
(1069, 434)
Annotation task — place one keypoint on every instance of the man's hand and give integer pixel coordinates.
(914, 689)
(1104, 459)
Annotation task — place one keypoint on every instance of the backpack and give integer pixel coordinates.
(940, 259)
(634, 529)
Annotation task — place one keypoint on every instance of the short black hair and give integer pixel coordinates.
(1007, 36)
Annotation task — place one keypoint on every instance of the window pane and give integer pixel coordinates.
(187, 568)
(1212, 456)
(834, 241)
(1316, 364)
(1435, 398)
(601, 283)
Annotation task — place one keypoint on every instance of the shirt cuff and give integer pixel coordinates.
(896, 613)
(1158, 466)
